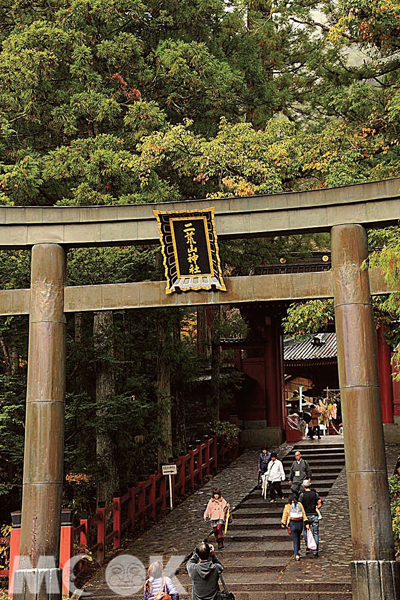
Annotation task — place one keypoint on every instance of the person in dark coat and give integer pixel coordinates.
(311, 501)
(263, 459)
(204, 570)
(300, 470)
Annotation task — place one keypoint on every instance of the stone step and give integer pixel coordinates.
(321, 487)
(261, 503)
(317, 453)
(271, 510)
(258, 582)
(255, 523)
(294, 594)
(318, 478)
(243, 535)
(235, 563)
(328, 469)
(317, 449)
(255, 548)
(321, 484)
(319, 463)
(315, 460)
(257, 502)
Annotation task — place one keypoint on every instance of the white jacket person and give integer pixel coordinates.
(275, 471)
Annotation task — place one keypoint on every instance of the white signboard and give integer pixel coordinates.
(169, 470)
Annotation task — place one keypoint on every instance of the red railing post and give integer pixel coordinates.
(142, 503)
(182, 474)
(191, 468)
(101, 533)
(163, 493)
(132, 507)
(83, 536)
(207, 455)
(215, 453)
(15, 539)
(117, 522)
(200, 448)
(66, 548)
(152, 497)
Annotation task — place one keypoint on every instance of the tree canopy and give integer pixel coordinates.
(134, 101)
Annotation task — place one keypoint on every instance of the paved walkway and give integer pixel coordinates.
(179, 532)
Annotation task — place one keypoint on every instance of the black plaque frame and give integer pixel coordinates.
(175, 255)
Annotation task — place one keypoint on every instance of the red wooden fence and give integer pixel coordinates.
(138, 506)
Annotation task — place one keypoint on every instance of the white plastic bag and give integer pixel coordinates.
(311, 543)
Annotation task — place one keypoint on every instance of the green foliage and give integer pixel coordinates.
(394, 492)
(309, 317)
(228, 431)
(132, 101)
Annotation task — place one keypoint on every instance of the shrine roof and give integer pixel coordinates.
(315, 347)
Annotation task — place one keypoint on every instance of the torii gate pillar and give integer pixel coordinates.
(375, 572)
(44, 432)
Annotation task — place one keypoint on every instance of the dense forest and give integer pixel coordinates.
(130, 101)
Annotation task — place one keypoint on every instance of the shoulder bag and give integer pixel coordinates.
(224, 594)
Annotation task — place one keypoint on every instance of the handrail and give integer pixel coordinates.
(138, 506)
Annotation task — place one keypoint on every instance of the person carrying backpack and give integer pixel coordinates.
(311, 501)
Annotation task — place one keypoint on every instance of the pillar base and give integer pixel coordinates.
(375, 579)
(38, 584)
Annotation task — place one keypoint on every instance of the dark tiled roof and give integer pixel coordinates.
(308, 350)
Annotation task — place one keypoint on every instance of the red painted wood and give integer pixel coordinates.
(132, 508)
(101, 534)
(117, 522)
(66, 553)
(200, 462)
(191, 468)
(182, 474)
(152, 497)
(15, 539)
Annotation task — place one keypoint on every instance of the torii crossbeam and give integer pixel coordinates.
(345, 212)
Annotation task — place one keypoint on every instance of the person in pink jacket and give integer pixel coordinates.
(216, 511)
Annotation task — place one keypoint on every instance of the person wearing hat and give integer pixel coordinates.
(311, 502)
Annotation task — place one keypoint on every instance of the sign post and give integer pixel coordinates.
(170, 470)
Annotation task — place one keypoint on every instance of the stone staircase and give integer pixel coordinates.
(258, 553)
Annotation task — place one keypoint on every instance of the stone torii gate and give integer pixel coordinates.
(342, 211)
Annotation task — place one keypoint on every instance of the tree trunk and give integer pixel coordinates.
(215, 361)
(164, 388)
(103, 333)
(78, 323)
(11, 357)
(180, 409)
(204, 331)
